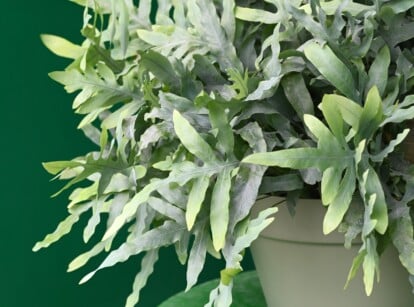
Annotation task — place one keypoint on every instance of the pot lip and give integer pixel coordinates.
(305, 227)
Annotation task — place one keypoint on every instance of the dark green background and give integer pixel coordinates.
(37, 124)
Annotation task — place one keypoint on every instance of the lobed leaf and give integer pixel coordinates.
(147, 267)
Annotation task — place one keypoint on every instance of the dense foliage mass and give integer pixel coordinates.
(206, 106)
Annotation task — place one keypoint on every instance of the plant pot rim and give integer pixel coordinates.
(304, 227)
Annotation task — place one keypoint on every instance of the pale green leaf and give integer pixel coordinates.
(399, 6)
(300, 158)
(167, 210)
(62, 229)
(330, 7)
(378, 72)
(356, 264)
(370, 264)
(130, 208)
(297, 94)
(166, 234)
(195, 199)
(249, 177)
(332, 68)
(228, 21)
(82, 259)
(379, 157)
(371, 116)
(219, 120)
(97, 208)
(350, 110)
(399, 115)
(243, 241)
(265, 89)
(123, 25)
(220, 296)
(380, 211)
(160, 67)
(219, 212)
(257, 15)
(147, 267)
(57, 166)
(331, 179)
(211, 31)
(62, 47)
(197, 256)
(340, 203)
(191, 139)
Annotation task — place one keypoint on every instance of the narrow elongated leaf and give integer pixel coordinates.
(219, 212)
(333, 116)
(123, 25)
(265, 89)
(62, 229)
(169, 233)
(62, 47)
(97, 208)
(249, 177)
(330, 7)
(228, 21)
(331, 179)
(167, 210)
(300, 158)
(197, 256)
(380, 210)
(181, 174)
(147, 267)
(298, 95)
(130, 209)
(378, 72)
(191, 139)
(391, 146)
(399, 116)
(195, 199)
(254, 228)
(371, 117)
(370, 265)
(356, 264)
(57, 166)
(219, 120)
(340, 204)
(333, 69)
(257, 15)
(82, 259)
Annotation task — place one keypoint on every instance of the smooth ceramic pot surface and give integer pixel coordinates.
(298, 266)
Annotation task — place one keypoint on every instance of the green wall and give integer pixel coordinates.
(37, 125)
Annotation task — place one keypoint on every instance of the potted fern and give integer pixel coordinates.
(210, 106)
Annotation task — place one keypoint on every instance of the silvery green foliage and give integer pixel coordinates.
(210, 104)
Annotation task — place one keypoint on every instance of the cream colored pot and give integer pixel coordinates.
(300, 267)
